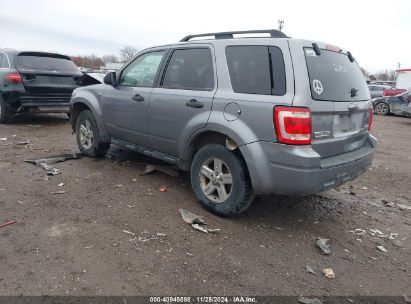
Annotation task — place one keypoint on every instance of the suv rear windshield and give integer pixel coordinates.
(50, 62)
(333, 77)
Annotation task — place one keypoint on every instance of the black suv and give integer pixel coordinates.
(35, 82)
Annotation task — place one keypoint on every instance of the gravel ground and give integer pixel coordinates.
(114, 233)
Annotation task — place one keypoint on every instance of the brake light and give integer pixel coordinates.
(370, 118)
(293, 125)
(332, 48)
(14, 78)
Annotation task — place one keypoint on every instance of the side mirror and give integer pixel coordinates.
(110, 79)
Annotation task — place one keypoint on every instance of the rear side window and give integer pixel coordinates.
(256, 69)
(333, 77)
(47, 62)
(190, 69)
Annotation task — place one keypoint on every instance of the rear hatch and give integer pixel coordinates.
(47, 73)
(330, 82)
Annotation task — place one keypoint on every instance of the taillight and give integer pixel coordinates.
(370, 118)
(293, 125)
(14, 78)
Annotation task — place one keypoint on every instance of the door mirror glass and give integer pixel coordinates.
(110, 79)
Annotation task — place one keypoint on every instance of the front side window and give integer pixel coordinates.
(190, 69)
(4, 61)
(142, 71)
(256, 69)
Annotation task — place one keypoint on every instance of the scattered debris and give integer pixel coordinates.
(45, 162)
(23, 143)
(118, 186)
(7, 224)
(3, 138)
(161, 234)
(404, 207)
(134, 180)
(190, 254)
(162, 189)
(165, 169)
(382, 248)
(60, 185)
(350, 300)
(309, 269)
(329, 273)
(305, 300)
(89, 247)
(59, 192)
(195, 221)
(191, 218)
(364, 188)
(323, 245)
(129, 232)
(352, 192)
(387, 203)
(131, 206)
(203, 229)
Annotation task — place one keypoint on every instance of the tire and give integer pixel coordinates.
(6, 116)
(233, 199)
(382, 108)
(89, 139)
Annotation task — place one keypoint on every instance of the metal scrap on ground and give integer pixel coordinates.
(195, 221)
(45, 162)
(323, 245)
(165, 169)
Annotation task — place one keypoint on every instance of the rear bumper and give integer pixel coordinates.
(298, 170)
(20, 102)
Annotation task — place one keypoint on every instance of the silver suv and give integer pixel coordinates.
(246, 115)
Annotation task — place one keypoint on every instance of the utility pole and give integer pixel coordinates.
(280, 24)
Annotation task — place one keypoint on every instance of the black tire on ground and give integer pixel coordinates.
(6, 116)
(241, 193)
(95, 147)
(382, 108)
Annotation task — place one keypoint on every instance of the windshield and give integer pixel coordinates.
(334, 78)
(50, 62)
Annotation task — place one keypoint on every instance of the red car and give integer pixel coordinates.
(392, 92)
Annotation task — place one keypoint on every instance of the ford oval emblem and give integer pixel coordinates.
(353, 107)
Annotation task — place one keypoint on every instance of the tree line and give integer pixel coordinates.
(385, 75)
(94, 62)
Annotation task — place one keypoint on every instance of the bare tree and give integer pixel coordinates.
(127, 52)
(110, 58)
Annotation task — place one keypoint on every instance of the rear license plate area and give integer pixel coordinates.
(345, 124)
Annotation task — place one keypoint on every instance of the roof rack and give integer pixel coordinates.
(229, 35)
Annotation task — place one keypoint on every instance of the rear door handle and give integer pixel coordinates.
(138, 97)
(194, 103)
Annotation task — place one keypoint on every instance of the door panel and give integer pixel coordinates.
(184, 99)
(124, 117)
(125, 105)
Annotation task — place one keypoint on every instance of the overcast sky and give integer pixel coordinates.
(376, 32)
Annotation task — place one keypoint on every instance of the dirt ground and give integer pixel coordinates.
(74, 243)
